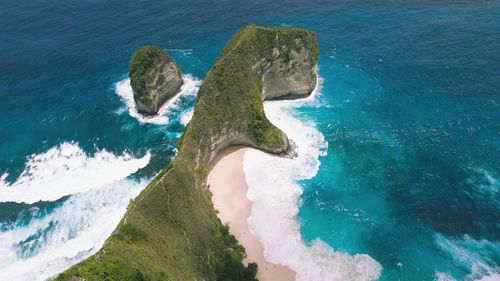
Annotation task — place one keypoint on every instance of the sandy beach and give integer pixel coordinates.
(227, 184)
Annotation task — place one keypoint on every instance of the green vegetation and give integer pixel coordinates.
(130, 233)
(171, 230)
(141, 62)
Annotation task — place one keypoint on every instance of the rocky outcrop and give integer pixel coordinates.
(257, 64)
(291, 75)
(154, 77)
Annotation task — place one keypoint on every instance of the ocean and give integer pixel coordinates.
(397, 168)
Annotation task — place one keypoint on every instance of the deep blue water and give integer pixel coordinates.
(411, 113)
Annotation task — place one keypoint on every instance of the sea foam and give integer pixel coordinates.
(186, 116)
(66, 169)
(190, 87)
(477, 256)
(275, 192)
(72, 232)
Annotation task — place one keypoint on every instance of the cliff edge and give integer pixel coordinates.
(171, 230)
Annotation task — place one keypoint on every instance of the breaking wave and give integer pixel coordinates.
(66, 169)
(189, 88)
(475, 256)
(51, 243)
(275, 192)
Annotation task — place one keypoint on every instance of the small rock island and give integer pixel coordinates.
(171, 230)
(154, 77)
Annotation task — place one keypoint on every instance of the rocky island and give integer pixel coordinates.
(154, 77)
(171, 230)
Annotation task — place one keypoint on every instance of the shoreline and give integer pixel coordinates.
(226, 181)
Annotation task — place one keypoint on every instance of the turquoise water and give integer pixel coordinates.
(409, 111)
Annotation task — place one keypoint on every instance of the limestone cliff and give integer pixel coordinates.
(171, 230)
(291, 71)
(257, 64)
(154, 77)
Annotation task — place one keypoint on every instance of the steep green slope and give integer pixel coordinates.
(171, 230)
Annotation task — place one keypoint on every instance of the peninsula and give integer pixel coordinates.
(171, 230)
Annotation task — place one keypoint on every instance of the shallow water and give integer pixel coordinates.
(408, 112)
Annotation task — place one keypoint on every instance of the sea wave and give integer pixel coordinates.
(190, 87)
(275, 192)
(186, 116)
(475, 256)
(72, 232)
(66, 169)
(485, 187)
(185, 52)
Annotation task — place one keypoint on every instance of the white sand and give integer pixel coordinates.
(227, 184)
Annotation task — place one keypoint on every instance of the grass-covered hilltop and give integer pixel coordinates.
(171, 230)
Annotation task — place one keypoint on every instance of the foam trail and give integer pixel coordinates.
(185, 52)
(186, 116)
(72, 232)
(477, 256)
(66, 169)
(275, 196)
(190, 87)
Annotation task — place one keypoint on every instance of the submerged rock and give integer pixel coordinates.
(154, 77)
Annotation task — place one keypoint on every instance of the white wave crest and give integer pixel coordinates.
(68, 235)
(186, 116)
(274, 190)
(190, 87)
(66, 169)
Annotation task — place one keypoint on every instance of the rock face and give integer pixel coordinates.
(154, 77)
(291, 75)
(257, 64)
